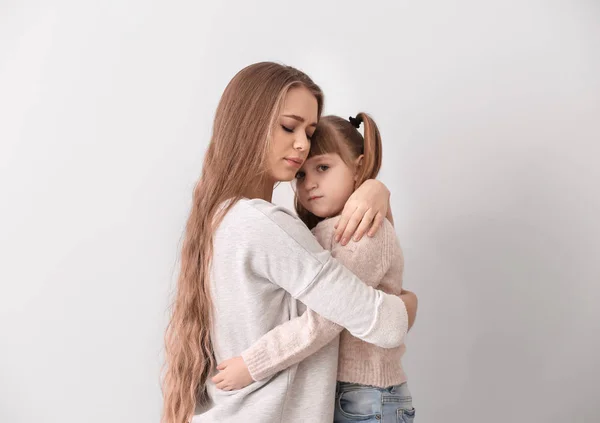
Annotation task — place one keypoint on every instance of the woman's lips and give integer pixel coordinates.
(295, 162)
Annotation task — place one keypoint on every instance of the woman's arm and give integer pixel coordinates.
(286, 253)
(365, 210)
(411, 301)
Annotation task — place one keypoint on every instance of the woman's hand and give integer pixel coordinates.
(365, 210)
(411, 302)
(233, 374)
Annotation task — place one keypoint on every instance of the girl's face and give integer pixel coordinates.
(324, 184)
(292, 133)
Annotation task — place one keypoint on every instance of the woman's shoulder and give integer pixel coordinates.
(261, 217)
(270, 210)
(263, 212)
(260, 225)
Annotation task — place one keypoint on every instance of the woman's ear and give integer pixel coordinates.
(357, 165)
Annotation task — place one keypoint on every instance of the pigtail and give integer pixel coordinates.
(372, 148)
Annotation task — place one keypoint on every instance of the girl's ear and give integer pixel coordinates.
(357, 165)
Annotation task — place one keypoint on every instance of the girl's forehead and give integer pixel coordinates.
(322, 157)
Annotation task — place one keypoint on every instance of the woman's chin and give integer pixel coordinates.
(285, 176)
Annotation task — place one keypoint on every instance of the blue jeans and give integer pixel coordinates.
(368, 404)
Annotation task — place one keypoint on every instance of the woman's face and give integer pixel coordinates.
(291, 135)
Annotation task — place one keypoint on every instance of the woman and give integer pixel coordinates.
(246, 263)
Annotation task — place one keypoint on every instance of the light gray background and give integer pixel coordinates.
(490, 115)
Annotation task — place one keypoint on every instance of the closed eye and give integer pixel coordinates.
(286, 129)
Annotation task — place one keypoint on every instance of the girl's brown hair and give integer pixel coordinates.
(236, 157)
(335, 135)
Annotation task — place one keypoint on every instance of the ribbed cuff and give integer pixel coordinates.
(257, 363)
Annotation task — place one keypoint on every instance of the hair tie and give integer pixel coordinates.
(355, 122)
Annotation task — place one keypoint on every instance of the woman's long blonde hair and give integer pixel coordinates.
(335, 135)
(235, 160)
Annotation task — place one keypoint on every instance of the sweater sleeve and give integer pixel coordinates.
(288, 344)
(297, 339)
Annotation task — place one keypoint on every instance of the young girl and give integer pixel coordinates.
(371, 382)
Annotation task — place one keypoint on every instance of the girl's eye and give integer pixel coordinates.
(286, 129)
(322, 168)
(299, 175)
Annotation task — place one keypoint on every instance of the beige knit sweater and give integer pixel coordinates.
(377, 261)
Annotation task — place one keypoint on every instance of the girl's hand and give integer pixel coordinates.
(365, 210)
(233, 374)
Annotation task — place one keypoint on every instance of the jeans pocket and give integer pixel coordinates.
(406, 415)
(359, 404)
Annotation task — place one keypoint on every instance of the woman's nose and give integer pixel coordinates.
(301, 143)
